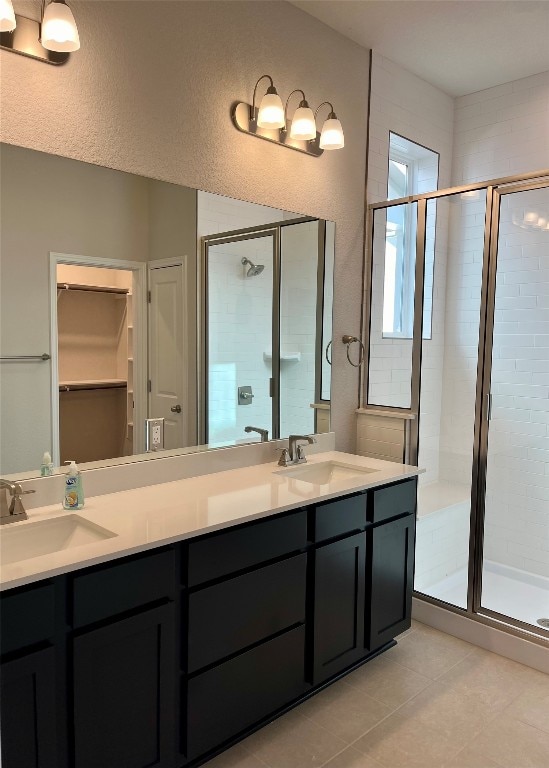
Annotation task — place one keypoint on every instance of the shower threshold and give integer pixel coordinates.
(506, 590)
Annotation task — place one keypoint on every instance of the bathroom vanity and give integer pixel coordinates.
(168, 655)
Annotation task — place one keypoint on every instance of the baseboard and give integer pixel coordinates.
(492, 639)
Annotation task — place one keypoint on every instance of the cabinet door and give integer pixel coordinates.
(392, 579)
(28, 722)
(339, 606)
(124, 697)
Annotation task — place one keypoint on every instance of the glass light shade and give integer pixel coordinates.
(271, 112)
(332, 135)
(59, 30)
(7, 16)
(303, 124)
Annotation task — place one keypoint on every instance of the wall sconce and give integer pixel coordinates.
(51, 40)
(270, 122)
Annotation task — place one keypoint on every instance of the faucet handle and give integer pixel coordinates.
(301, 452)
(284, 460)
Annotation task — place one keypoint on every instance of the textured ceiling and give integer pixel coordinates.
(460, 46)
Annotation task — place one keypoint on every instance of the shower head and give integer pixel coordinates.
(255, 269)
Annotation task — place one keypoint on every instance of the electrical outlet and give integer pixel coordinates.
(154, 434)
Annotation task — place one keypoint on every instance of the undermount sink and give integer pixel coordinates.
(326, 472)
(33, 539)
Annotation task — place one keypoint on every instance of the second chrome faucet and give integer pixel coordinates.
(295, 454)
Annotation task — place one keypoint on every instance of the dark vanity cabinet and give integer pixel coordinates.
(162, 659)
(28, 700)
(338, 585)
(390, 553)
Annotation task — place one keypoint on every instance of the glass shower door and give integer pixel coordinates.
(515, 442)
(239, 338)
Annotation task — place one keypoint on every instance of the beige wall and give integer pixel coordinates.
(150, 92)
(51, 204)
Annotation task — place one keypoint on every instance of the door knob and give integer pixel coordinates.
(175, 408)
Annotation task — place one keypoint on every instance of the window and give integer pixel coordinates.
(412, 169)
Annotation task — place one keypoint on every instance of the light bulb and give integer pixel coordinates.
(7, 16)
(303, 123)
(332, 134)
(271, 110)
(59, 30)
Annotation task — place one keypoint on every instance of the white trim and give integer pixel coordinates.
(513, 647)
(138, 269)
(161, 264)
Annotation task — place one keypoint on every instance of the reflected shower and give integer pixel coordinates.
(255, 269)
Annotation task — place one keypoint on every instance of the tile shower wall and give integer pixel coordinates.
(240, 317)
(517, 485)
(501, 131)
(240, 321)
(239, 333)
(299, 248)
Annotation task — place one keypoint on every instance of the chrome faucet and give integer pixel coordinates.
(294, 453)
(263, 432)
(15, 511)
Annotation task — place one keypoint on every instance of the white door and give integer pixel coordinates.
(167, 354)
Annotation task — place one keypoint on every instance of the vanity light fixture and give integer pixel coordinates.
(303, 125)
(271, 111)
(270, 122)
(51, 40)
(7, 16)
(332, 133)
(59, 30)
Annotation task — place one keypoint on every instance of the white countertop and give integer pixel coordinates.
(145, 518)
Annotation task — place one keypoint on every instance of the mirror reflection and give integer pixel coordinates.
(174, 319)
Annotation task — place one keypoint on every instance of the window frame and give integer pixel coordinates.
(407, 274)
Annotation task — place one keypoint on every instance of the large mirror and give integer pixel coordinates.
(141, 318)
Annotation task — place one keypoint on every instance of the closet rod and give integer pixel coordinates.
(92, 385)
(94, 288)
(21, 358)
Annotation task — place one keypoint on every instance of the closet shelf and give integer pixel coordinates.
(69, 386)
(94, 288)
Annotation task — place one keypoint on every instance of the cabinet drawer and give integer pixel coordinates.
(399, 499)
(237, 613)
(234, 550)
(122, 587)
(336, 518)
(27, 617)
(229, 698)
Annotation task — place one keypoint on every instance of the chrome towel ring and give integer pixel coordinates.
(348, 340)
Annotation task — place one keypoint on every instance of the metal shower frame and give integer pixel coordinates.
(273, 229)
(495, 189)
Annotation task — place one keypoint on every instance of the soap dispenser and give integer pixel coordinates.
(74, 492)
(46, 469)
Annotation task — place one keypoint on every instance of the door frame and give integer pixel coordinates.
(247, 233)
(495, 189)
(140, 367)
(182, 262)
(484, 405)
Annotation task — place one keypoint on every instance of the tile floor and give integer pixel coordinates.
(432, 702)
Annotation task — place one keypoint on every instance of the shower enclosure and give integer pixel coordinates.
(459, 349)
(266, 320)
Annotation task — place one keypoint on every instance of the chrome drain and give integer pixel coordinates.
(544, 623)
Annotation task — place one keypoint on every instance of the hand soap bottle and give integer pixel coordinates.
(74, 492)
(46, 470)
